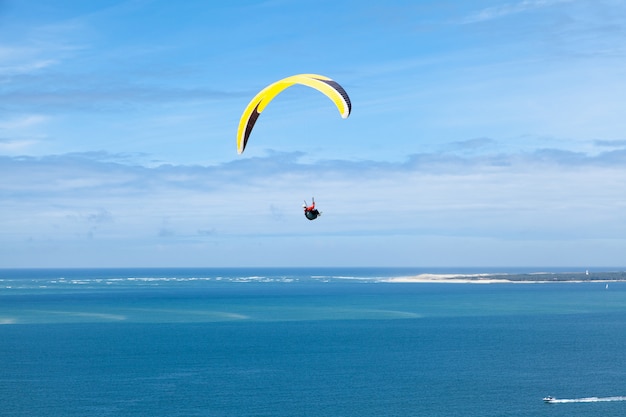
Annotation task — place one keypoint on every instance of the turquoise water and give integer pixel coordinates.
(279, 342)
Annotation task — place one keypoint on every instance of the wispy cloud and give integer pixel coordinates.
(102, 198)
(118, 97)
(94, 171)
(610, 143)
(16, 133)
(26, 68)
(37, 50)
(497, 12)
(78, 176)
(15, 146)
(23, 121)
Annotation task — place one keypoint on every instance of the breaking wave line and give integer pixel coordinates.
(587, 400)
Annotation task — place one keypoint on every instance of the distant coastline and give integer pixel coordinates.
(537, 277)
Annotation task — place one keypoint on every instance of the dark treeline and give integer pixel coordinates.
(564, 276)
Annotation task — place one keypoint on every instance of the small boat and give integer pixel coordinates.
(549, 399)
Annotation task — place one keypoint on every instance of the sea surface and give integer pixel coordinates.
(333, 342)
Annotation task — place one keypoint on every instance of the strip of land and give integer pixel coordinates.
(538, 277)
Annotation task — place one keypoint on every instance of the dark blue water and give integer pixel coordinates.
(304, 343)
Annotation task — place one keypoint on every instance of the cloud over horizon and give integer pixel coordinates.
(65, 197)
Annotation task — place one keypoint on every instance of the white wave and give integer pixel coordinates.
(87, 314)
(190, 316)
(233, 316)
(587, 400)
(394, 313)
(325, 278)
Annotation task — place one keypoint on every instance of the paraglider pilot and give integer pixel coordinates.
(311, 212)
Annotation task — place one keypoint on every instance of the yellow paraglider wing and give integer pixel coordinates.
(323, 84)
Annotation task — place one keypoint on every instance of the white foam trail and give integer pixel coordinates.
(587, 400)
(102, 316)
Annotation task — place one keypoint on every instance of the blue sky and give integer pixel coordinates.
(482, 133)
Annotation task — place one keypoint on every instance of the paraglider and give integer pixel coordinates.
(319, 82)
(325, 85)
(310, 212)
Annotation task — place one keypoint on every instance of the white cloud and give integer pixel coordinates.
(23, 122)
(13, 147)
(26, 67)
(496, 12)
(211, 214)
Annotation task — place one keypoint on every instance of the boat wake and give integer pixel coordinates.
(584, 400)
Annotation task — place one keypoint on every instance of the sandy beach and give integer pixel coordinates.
(450, 278)
(534, 278)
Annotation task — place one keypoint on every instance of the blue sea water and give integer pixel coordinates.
(305, 342)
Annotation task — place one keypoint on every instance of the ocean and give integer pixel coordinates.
(319, 342)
